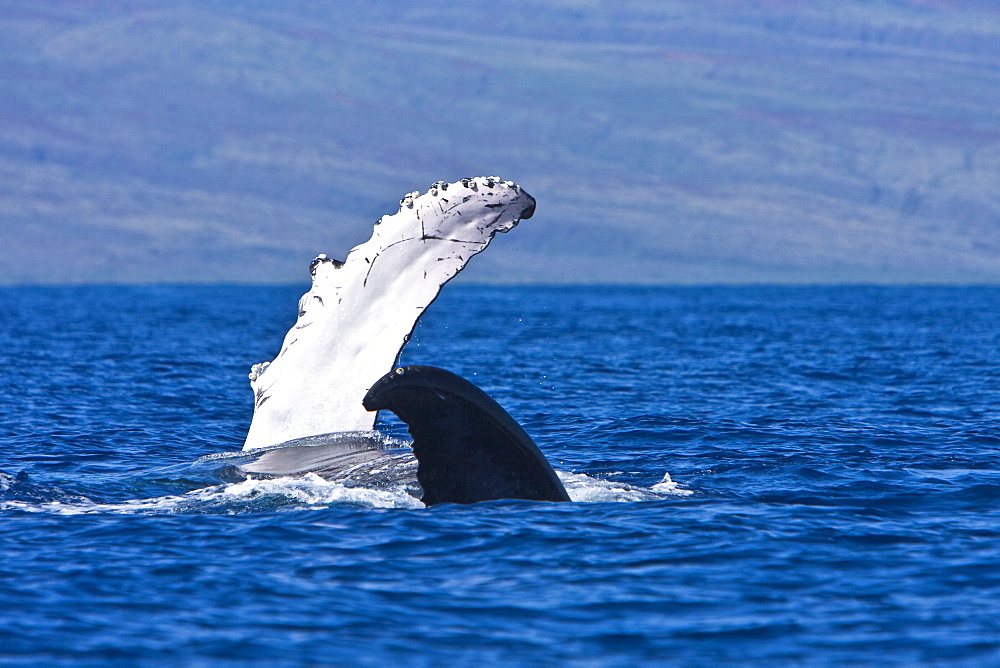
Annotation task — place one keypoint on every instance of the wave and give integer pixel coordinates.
(19, 493)
(584, 489)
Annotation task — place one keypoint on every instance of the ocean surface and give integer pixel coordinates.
(761, 475)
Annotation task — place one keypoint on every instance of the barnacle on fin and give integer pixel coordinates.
(320, 259)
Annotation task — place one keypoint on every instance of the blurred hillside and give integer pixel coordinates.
(666, 142)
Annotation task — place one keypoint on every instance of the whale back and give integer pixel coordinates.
(468, 448)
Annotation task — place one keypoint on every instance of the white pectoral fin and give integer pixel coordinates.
(359, 313)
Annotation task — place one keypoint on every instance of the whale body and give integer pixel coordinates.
(316, 403)
(359, 313)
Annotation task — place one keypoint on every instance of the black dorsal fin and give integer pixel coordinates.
(468, 448)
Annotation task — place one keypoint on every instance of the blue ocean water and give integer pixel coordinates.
(833, 452)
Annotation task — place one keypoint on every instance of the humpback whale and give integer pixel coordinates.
(316, 403)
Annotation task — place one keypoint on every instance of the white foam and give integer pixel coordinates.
(584, 489)
(313, 491)
(309, 490)
(153, 506)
